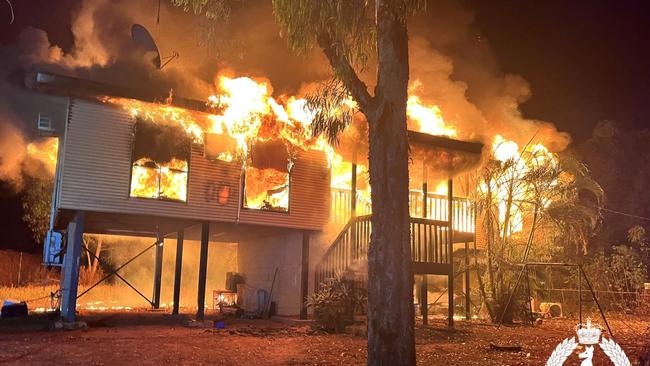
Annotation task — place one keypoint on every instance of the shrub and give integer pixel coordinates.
(335, 302)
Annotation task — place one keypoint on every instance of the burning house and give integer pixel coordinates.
(243, 168)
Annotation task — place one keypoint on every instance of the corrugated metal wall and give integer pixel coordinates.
(96, 173)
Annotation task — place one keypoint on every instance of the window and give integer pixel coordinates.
(266, 177)
(160, 162)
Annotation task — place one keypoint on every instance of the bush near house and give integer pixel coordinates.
(335, 303)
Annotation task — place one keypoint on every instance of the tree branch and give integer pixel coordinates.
(344, 69)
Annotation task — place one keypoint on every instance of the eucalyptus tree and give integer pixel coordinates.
(350, 33)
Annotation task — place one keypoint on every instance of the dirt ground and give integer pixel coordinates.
(145, 338)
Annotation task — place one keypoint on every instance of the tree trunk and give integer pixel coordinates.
(390, 279)
(95, 263)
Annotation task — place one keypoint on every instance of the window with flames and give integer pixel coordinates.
(160, 161)
(266, 177)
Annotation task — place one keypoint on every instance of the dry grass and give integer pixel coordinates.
(15, 271)
(102, 297)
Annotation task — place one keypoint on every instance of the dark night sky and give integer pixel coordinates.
(586, 61)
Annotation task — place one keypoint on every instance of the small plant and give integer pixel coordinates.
(335, 302)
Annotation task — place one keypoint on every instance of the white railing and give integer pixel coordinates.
(437, 207)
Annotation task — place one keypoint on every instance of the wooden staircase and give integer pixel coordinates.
(433, 234)
(431, 239)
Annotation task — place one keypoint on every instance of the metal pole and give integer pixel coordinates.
(304, 275)
(503, 313)
(157, 273)
(178, 270)
(593, 294)
(203, 270)
(450, 252)
(113, 273)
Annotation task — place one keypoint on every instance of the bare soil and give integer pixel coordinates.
(146, 338)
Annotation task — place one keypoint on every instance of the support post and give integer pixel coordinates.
(353, 193)
(425, 190)
(424, 288)
(468, 312)
(178, 271)
(353, 211)
(70, 270)
(424, 299)
(450, 252)
(203, 270)
(157, 273)
(304, 275)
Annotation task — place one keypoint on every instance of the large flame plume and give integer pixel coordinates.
(245, 111)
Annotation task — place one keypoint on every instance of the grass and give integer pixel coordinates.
(102, 297)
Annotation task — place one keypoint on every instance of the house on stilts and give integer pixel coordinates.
(123, 174)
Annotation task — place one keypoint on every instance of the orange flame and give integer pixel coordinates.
(46, 152)
(505, 193)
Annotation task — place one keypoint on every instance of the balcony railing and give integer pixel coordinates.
(436, 208)
(341, 209)
(429, 245)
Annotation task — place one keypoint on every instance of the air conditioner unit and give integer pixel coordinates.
(551, 309)
(53, 249)
(44, 125)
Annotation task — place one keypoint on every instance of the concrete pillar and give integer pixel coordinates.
(70, 270)
(157, 273)
(203, 270)
(178, 269)
(304, 275)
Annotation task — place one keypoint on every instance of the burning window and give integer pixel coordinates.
(160, 161)
(266, 177)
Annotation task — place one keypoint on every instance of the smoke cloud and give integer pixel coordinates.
(452, 66)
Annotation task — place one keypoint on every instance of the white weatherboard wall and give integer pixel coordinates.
(96, 171)
(257, 260)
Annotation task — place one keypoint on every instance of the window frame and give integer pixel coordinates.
(132, 161)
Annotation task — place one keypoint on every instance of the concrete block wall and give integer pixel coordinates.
(257, 260)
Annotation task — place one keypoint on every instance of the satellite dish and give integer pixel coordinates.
(143, 38)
